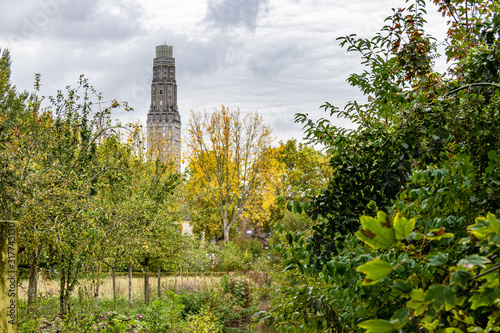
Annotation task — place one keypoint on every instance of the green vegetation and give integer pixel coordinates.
(225, 306)
(424, 160)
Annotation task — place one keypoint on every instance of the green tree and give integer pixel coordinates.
(50, 157)
(307, 170)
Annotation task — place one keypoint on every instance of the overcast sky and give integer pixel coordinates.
(276, 57)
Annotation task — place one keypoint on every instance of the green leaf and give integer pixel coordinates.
(400, 317)
(403, 286)
(472, 261)
(417, 295)
(492, 155)
(460, 277)
(376, 232)
(297, 208)
(463, 317)
(441, 296)
(494, 239)
(439, 259)
(417, 302)
(375, 270)
(377, 326)
(437, 234)
(485, 226)
(415, 236)
(403, 227)
(486, 297)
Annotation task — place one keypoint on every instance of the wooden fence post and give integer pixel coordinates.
(8, 280)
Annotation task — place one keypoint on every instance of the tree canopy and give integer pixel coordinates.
(231, 163)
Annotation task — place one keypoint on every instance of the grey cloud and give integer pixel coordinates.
(69, 20)
(197, 57)
(274, 61)
(233, 13)
(78, 10)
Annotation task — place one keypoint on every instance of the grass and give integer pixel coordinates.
(86, 286)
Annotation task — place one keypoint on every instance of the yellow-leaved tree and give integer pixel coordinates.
(231, 163)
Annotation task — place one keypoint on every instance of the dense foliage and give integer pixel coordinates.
(81, 188)
(425, 147)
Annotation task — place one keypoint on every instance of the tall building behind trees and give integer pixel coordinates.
(164, 121)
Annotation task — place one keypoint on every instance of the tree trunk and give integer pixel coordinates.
(69, 286)
(146, 280)
(36, 287)
(62, 285)
(96, 295)
(130, 301)
(32, 284)
(226, 234)
(159, 282)
(114, 286)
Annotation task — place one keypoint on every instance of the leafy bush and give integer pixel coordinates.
(253, 248)
(203, 322)
(425, 146)
(192, 301)
(164, 314)
(224, 282)
(230, 258)
(241, 291)
(458, 295)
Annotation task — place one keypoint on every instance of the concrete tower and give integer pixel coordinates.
(164, 121)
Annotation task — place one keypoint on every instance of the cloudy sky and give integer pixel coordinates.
(277, 57)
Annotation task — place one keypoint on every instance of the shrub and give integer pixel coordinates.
(241, 291)
(253, 248)
(230, 258)
(164, 314)
(203, 322)
(192, 302)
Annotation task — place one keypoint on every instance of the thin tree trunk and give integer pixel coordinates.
(159, 282)
(130, 301)
(114, 286)
(146, 280)
(146, 286)
(32, 284)
(36, 287)
(69, 287)
(96, 295)
(62, 285)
